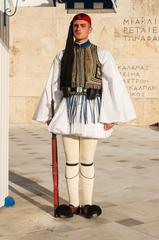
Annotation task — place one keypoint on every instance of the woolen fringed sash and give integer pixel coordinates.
(67, 60)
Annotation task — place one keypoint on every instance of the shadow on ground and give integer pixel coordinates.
(35, 189)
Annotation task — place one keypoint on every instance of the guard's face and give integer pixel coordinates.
(81, 29)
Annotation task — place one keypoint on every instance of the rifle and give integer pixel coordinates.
(55, 168)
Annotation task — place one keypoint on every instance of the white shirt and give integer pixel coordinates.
(115, 106)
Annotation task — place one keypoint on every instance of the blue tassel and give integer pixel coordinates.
(98, 104)
(90, 108)
(72, 104)
(94, 111)
(74, 109)
(9, 201)
(81, 112)
(85, 110)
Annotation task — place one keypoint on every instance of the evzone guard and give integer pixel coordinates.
(89, 97)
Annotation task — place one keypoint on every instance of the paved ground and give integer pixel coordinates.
(126, 187)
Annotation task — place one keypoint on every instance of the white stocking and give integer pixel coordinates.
(71, 149)
(87, 170)
(79, 150)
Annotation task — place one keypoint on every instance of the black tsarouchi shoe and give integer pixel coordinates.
(66, 211)
(90, 211)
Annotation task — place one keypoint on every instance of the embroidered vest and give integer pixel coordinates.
(87, 71)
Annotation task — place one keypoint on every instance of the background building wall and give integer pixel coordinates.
(37, 34)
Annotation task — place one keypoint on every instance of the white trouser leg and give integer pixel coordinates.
(71, 149)
(87, 170)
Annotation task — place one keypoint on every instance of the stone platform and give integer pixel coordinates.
(126, 188)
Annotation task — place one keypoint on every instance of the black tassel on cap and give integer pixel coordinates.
(67, 60)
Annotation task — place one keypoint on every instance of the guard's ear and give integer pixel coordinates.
(90, 29)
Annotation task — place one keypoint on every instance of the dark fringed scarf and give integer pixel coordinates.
(67, 60)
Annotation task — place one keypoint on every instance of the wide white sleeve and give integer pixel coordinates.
(51, 92)
(116, 104)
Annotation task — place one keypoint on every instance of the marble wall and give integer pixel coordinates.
(131, 34)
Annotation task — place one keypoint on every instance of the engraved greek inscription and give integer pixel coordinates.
(140, 29)
(138, 81)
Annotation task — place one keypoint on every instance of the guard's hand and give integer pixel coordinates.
(108, 126)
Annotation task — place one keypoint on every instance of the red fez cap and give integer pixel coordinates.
(82, 16)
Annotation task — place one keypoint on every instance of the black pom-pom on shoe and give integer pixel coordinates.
(89, 211)
(63, 210)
